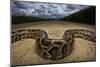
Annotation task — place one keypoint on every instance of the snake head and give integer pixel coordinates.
(53, 49)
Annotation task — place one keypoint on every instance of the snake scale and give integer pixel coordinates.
(53, 49)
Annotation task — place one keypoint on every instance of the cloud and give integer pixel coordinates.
(44, 10)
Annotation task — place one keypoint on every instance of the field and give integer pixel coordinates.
(23, 53)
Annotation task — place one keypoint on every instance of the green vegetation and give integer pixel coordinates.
(85, 16)
(26, 19)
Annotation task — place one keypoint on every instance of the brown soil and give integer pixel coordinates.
(23, 53)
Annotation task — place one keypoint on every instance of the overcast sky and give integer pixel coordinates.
(44, 10)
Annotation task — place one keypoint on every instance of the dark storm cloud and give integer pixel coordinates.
(44, 10)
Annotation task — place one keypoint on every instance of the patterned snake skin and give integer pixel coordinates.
(53, 49)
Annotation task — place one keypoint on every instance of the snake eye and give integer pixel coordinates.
(46, 42)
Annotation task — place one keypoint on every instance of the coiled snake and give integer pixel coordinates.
(53, 49)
